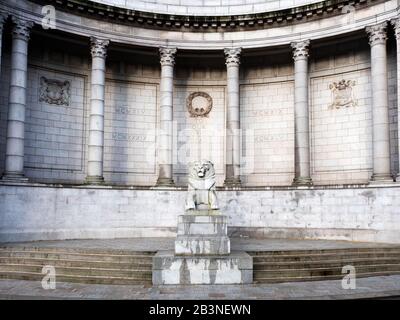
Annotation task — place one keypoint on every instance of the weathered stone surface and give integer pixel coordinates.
(202, 245)
(355, 214)
(203, 225)
(202, 228)
(233, 269)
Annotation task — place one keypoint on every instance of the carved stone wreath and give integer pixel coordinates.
(199, 104)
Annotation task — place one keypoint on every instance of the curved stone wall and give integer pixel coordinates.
(106, 100)
(362, 214)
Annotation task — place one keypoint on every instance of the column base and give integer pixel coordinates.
(232, 183)
(14, 177)
(165, 182)
(381, 179)
(94, 180)
(302, 181)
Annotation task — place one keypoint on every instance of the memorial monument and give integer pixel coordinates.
(202, 247)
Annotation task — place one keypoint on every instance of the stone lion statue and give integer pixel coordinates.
(201, 188)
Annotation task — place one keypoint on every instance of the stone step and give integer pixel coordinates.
(79, 271)
(323, 263)
(322, 251)
(77, 279)
(76, 263)
(77, 250)
(77, 256)
(260, 280)
(324, 256)
(308, 272)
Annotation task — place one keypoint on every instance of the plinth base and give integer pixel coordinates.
(165, 182)
(302, 181)
(169, 269)
(202, 234)
(94, 180)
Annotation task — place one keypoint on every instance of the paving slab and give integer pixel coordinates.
(374, 287)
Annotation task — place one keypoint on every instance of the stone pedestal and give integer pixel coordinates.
(236, 268)
(202, 254)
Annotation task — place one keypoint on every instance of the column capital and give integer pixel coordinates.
(3, 18)
(22, 28)
(300, 49)
(167, 56)
(232, 56)
(377, 33)
(98, 47)
(396, 26)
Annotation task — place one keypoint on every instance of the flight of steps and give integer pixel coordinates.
(77, 265)
(115, 266)
(311, 265)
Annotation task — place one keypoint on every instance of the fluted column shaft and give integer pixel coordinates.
(396, 26)
(165, 145)
(96, 118)
(232, 61)
(380, 104)
(302, 133)
(14, 164)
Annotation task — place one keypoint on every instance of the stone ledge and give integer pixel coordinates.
(202, 228)
(202, 219)
(159, 189)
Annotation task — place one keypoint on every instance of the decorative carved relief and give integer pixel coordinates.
(342, 94)
(54, 91)
(98, 47)
(396, 26)
(22, 28)
(300, 49)
(199, 104)
(3, 19)
(377, 33)
(167, 56)
(232, 56)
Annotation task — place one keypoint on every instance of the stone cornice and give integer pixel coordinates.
(207, 23)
